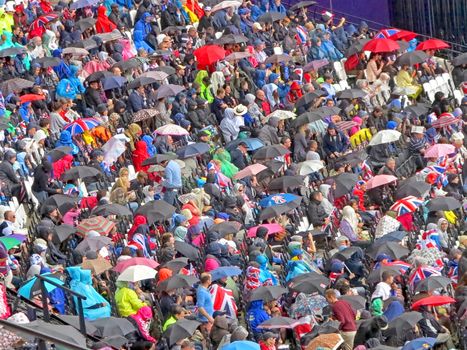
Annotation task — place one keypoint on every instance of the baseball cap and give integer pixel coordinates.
(207, 8)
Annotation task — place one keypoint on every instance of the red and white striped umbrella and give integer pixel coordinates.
(345, 125)
(446, 119)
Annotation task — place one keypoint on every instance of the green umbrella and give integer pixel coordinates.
(10, 242)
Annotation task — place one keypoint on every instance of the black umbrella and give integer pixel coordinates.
(62, 202)
(12, 51)
(327, 111)
(346, 254)
(168, 90)
(80, 172)
(132, 63)
(393, 249)
(356, 301)
(180, 330)
(156, 211)
(286, 182)
(187, 250)
(270, 17)
(309, 98)
(15, 84)
(61, 332)
(356, 47)
(141, 81)
(177, 281)
(278, 58)
(111, 209)
(93, 244)
(395, 236)
(226, 228)
(87, 44)
(116, 341)
(110, 36)
(113, 82)
(306, 118)
(110, 326)
(309, 283)
(172, 29)
(98, 76)
(166, 69)
(433, 282)
(405, 322)
(193, 150)
(46, 62)
(412, 187)
(411, 58)
(267, 293)
(270, 152)
(376, 275)
(460, 60)
(58, 153)
(231, 39)
(302, 4)
(274, 165)
(403, 46)
(416, 110)
(177, 264)
(443, 203)
(85, 23)
(275, 210)
(74, 322)
(345, 182)
(159, 158)
(351, 94)
(64, 231)
(328, 327)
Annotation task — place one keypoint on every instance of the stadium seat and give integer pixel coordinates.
(443, 85)
(132, 172)
(447, 78)
(337, 87)
(458, 95)
(344, 84)
(340, 71)
(428, 91)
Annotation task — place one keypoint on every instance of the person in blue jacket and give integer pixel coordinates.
(144, 24)
(276, 6)
(138, 39)
(334, 142)
(255, 316)
(66, 140)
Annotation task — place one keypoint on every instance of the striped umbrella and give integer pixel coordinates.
(345, 125)
(42, 21)
(97, 223)
(445, 119)
(406, 205)
(81, 125)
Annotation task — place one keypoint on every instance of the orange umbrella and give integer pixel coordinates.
(31, 97)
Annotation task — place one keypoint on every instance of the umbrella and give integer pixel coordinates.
(381, 45)
(209, 54)
(270, 17)
(345, 182)
(411, 58)
(15, 84)
(137, 261)
(395, 236)
(93, 244)
(252, 144)
(460, 60)
(310, 166)
(309, 283)
(385, 136)
(80, 172)
(176, 264)
(32, 287)
(137, 273)
(235, 56)
(306, 118)
(232, 39)
(403, 46)
(41, 21)
(250, 170)
(145, 114)
(445, 120)
(279, 198)
(171, 129)
(159, 76)
(12, 51)
(351, 94)
(327, 111)
(393, 249)
(416, 110)
(62, 332)
(225, 5)
(97, 76)
(141, 81)
(113, 82)
(111, 209)
(83, 3)
(187, 250)
(179, 330)
(110, 326)
(159, 158)
(177, 281)
(272, 228)
(302, 4)
(439, 150)
(315, 65)
(281, 114)
(133, 63)
(309, 98)
(270, 152)
(432, 44)
(62, 202)
(193, 150)
(267, 293)
(356, 301)
(97, 266)
(81, 125)
(74, 322)
(345, 254)
(434, 300)
(282, 58)
(420, 343)
(327, 341)
(432, 282)
(165, 69)
(443, 203)
(412, 187)
(345, 125)
(286, 182)
(276, 210)
(405, 321)
(85, 23)
(380, 180)
(58, 153)
(405, 35)
(97, 223)
(64, 231)
(406, 205)
(226, 228)
(356, 47)
(75, 51)
(11, 242)
(110, 36)
(172, 29)
(156, 211)
(241, 345)
(224, 272)
(279, 322)
(46, 62)
(87, 44)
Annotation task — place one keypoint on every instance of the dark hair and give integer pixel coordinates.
(385, 275)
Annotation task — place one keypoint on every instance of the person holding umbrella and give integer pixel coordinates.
(406, 81)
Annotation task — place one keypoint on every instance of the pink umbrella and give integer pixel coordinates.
(445, 119)
(250, 171)
(272, 228)
(172, 130)
(439, 150)
(123, 265)
(380, 180)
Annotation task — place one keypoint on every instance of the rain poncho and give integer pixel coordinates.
(138, 39)
(127, 300)
(143, 26)
(256, 315)
(150, 145)
(265, 276)
(227, 168)
(143, 320)
(230, 125)
(103, 24)
(66, 140)
(205, 90)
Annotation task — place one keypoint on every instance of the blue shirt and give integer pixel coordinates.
(173, 175)
(203, 299)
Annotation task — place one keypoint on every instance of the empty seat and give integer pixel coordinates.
(429, 91)
(344, 84)
(448, 79)
(337, 87)
(443, 85)
(340, 72)
(458, 95)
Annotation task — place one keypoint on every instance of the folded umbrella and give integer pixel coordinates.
(282, 58)
(351, 94)
(172, 130)
(176, 264)
(180, 330)
(267, 293)
(270, 152)
(270, 17)
(250, 170)
(284, 183)
(411, 58)
(432, 282)
(111, 209)
(279, 322)
(137, 273)
(110, 326)
(385, 136)
(252, 143)
(434, 300)
(356, 301)
(381, 45)
(432, 44)
(93, 244)
(58, 153)
(224, 272)
(97, 266)
(345, 182)
(393, 249)
(272, 229)
(176, 282)
(64, 231)
(97, 223)
(439, 150)
(420, 344)
(32, 287)
(187, 250)
(124, 264)
(380, 180)
(62, 202)
(443, 204)
(309, 283)
(193, 150)
(156, 211)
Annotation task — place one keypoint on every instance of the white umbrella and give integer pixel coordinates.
(171, 129)
(281, 114)
(226, 4)
(310, 166)
(137, 273)
(385, 136)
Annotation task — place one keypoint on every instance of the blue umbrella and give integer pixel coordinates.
(225, 271)
(278, 198)
(420, 344)
(82, 3)
(242, 345)
(395, 236)
(113, 82)
(32, 287)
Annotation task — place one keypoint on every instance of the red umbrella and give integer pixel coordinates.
(434, 300)
(403, 35)
(346, 125)
(432, 44)
(381, 45)
(31, 97)
(122, 265)
(208, 55)
(380, 180)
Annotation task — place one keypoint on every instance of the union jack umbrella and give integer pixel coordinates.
(421, 273)
(401, 265)
(42, 21)
(223, 300)
(81, 125)
(446, 119)
(345, 125)
(387, 33)
(406, 205)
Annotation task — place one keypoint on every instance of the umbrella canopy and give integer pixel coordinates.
(327, 341)
(159, 76)
(279, 322)
(97, 76)
(226, 4)
(168, 90)
(443, 203)
(133, 63)
(58, 153)
(181, 329)
(460, 60)
(87, 44)
(432, 44)
(380, 180)
(376, 275)
(177, 281)
(93, 244)
(250, 170)
(346, 254)
(420, 343)
(85, 23)
(309, 283)
(75, 51)
(315, 65)
(159, 158)
(172, 130)
(137, 273)
(351, 94)
(46, 62)
(97, 223)
(345, 125)
(381, 45)
(110, 326)
(82, 3)
(64, 231)
(385, 136)
(405, 35)
(156, 211)
(392, 249)
(114, 82)
(145, 114)
(267, 293)
(281, 114)
(111, 209)
(412, 187)
(279, 198)
(15, 84)
(241, 345)
(232, 39)
(306, 118)
(310, 166)
(11, 242)
(309, 98)
(224, 272)
(434, 300)
(272, 228)
(270, 17)
(270, 152)
(30, 98)
(282, 58)
(141, 81)
(286, 182)
(416, 110)
(302, 4)
(62, 332)
(235, 56)
(209, 54)
(32, 287)
(411, 58)
(356, 47)
(97, 266)
(439, 150)
(136, 261)
(81, 125)
(252, 143)
(62, 202)
(405, 321)
(356, 301)
(446, 119)
(406, 205)
(74, 322)
(187, 250)
(177, 264)
(277, 210)
(395, 236)
(193, 150)
(432, 282)
(226, 228)
(345, 182)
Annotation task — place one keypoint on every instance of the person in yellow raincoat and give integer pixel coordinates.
(6, 21)
(363, 135)
(202, 79)
(127, 300)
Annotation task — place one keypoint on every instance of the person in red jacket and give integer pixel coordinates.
(140, 154)
(268, 341)
(104, 24)
(342, 311)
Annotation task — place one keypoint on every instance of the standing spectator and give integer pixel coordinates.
(343, 312)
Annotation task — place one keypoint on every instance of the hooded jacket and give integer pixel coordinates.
(256, 315)
(268, 133)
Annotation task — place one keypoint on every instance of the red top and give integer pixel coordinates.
(344, 313)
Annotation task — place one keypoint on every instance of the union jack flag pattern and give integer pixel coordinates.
(422, 273)
(386, 33)
(223, 300)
